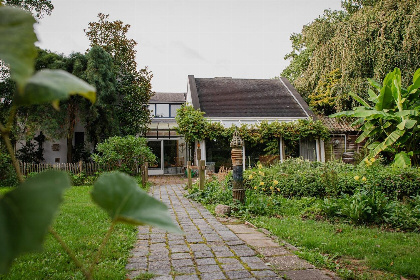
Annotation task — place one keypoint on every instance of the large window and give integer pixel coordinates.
(164, 110)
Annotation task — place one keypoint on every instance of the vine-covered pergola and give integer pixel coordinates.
(193, 125)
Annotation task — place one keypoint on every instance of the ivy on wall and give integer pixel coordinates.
(195, 127)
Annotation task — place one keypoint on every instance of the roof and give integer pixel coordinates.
(336, 124)
(257, 98)
(168, 97)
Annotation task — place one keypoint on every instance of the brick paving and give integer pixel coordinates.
(210, 249)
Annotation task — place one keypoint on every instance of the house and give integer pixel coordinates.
(169, 148)
(234, 102)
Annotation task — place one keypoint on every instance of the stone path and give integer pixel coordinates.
(211, 250)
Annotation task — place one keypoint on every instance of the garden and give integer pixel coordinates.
(361, 221)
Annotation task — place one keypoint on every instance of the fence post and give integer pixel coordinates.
(202, 172)
(189, 174)
(144, 174)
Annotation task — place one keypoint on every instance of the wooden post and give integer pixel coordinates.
(238, 191)
(202, 172)
(189, 174)
(144, 174)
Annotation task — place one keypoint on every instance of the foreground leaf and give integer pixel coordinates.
(48, 86)
(17, 43)
(27, 212)
(120, 196)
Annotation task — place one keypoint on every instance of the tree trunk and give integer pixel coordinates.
(71, 113)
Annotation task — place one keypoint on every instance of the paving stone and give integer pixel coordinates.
(257, 265)
(178, 256)
(264, 273)
(199, 247)
(240, 228)
(234, 241)
(185, 270)
(261, 242)
(232, 266)
(180, 263)
(203, 254)
(273, 251)
(228, 260)
(252, 236)
(163, 277)
(179, 248)
(187, 277)
(244, 252)
(205, 261)
(288, 263)
(250, 259)
(160, 265)
(225, 253)
(308, 274)
(208, 268)
(213, 276)
(238, 274)
(136, 266)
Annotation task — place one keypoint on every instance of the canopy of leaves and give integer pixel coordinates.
(367, 40)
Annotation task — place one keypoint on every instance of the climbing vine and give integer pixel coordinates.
(195, 127)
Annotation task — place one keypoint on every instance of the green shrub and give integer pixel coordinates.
(214, 193)
(298, 178)
(125, 154)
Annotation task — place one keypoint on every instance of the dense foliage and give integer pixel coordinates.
(125, 154)
(133, 86)
(366, 194)
(298, 178)
(392, 124)
(194, 127)
(337, 52)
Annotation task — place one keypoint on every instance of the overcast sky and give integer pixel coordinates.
(177, 38)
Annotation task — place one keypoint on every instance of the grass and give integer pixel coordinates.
(354, 247)
(82, 225)
(354, 252)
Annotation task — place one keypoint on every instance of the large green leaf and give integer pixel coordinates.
(390, 140)
(367, 129)
(386, 98)
(359, 99)
(416, 82)
(409, 124)
(402, 160)
(375, 84)
(17, 43)
(27, 212)
(52, 85)
(120, 196)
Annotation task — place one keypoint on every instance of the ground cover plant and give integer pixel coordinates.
(361, 221)
(81, 224)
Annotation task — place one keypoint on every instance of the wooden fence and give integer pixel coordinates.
(89, 168)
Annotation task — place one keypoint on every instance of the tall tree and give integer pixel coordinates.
(101, 120)
(366, 40)
(37, 7)
(134, 86)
